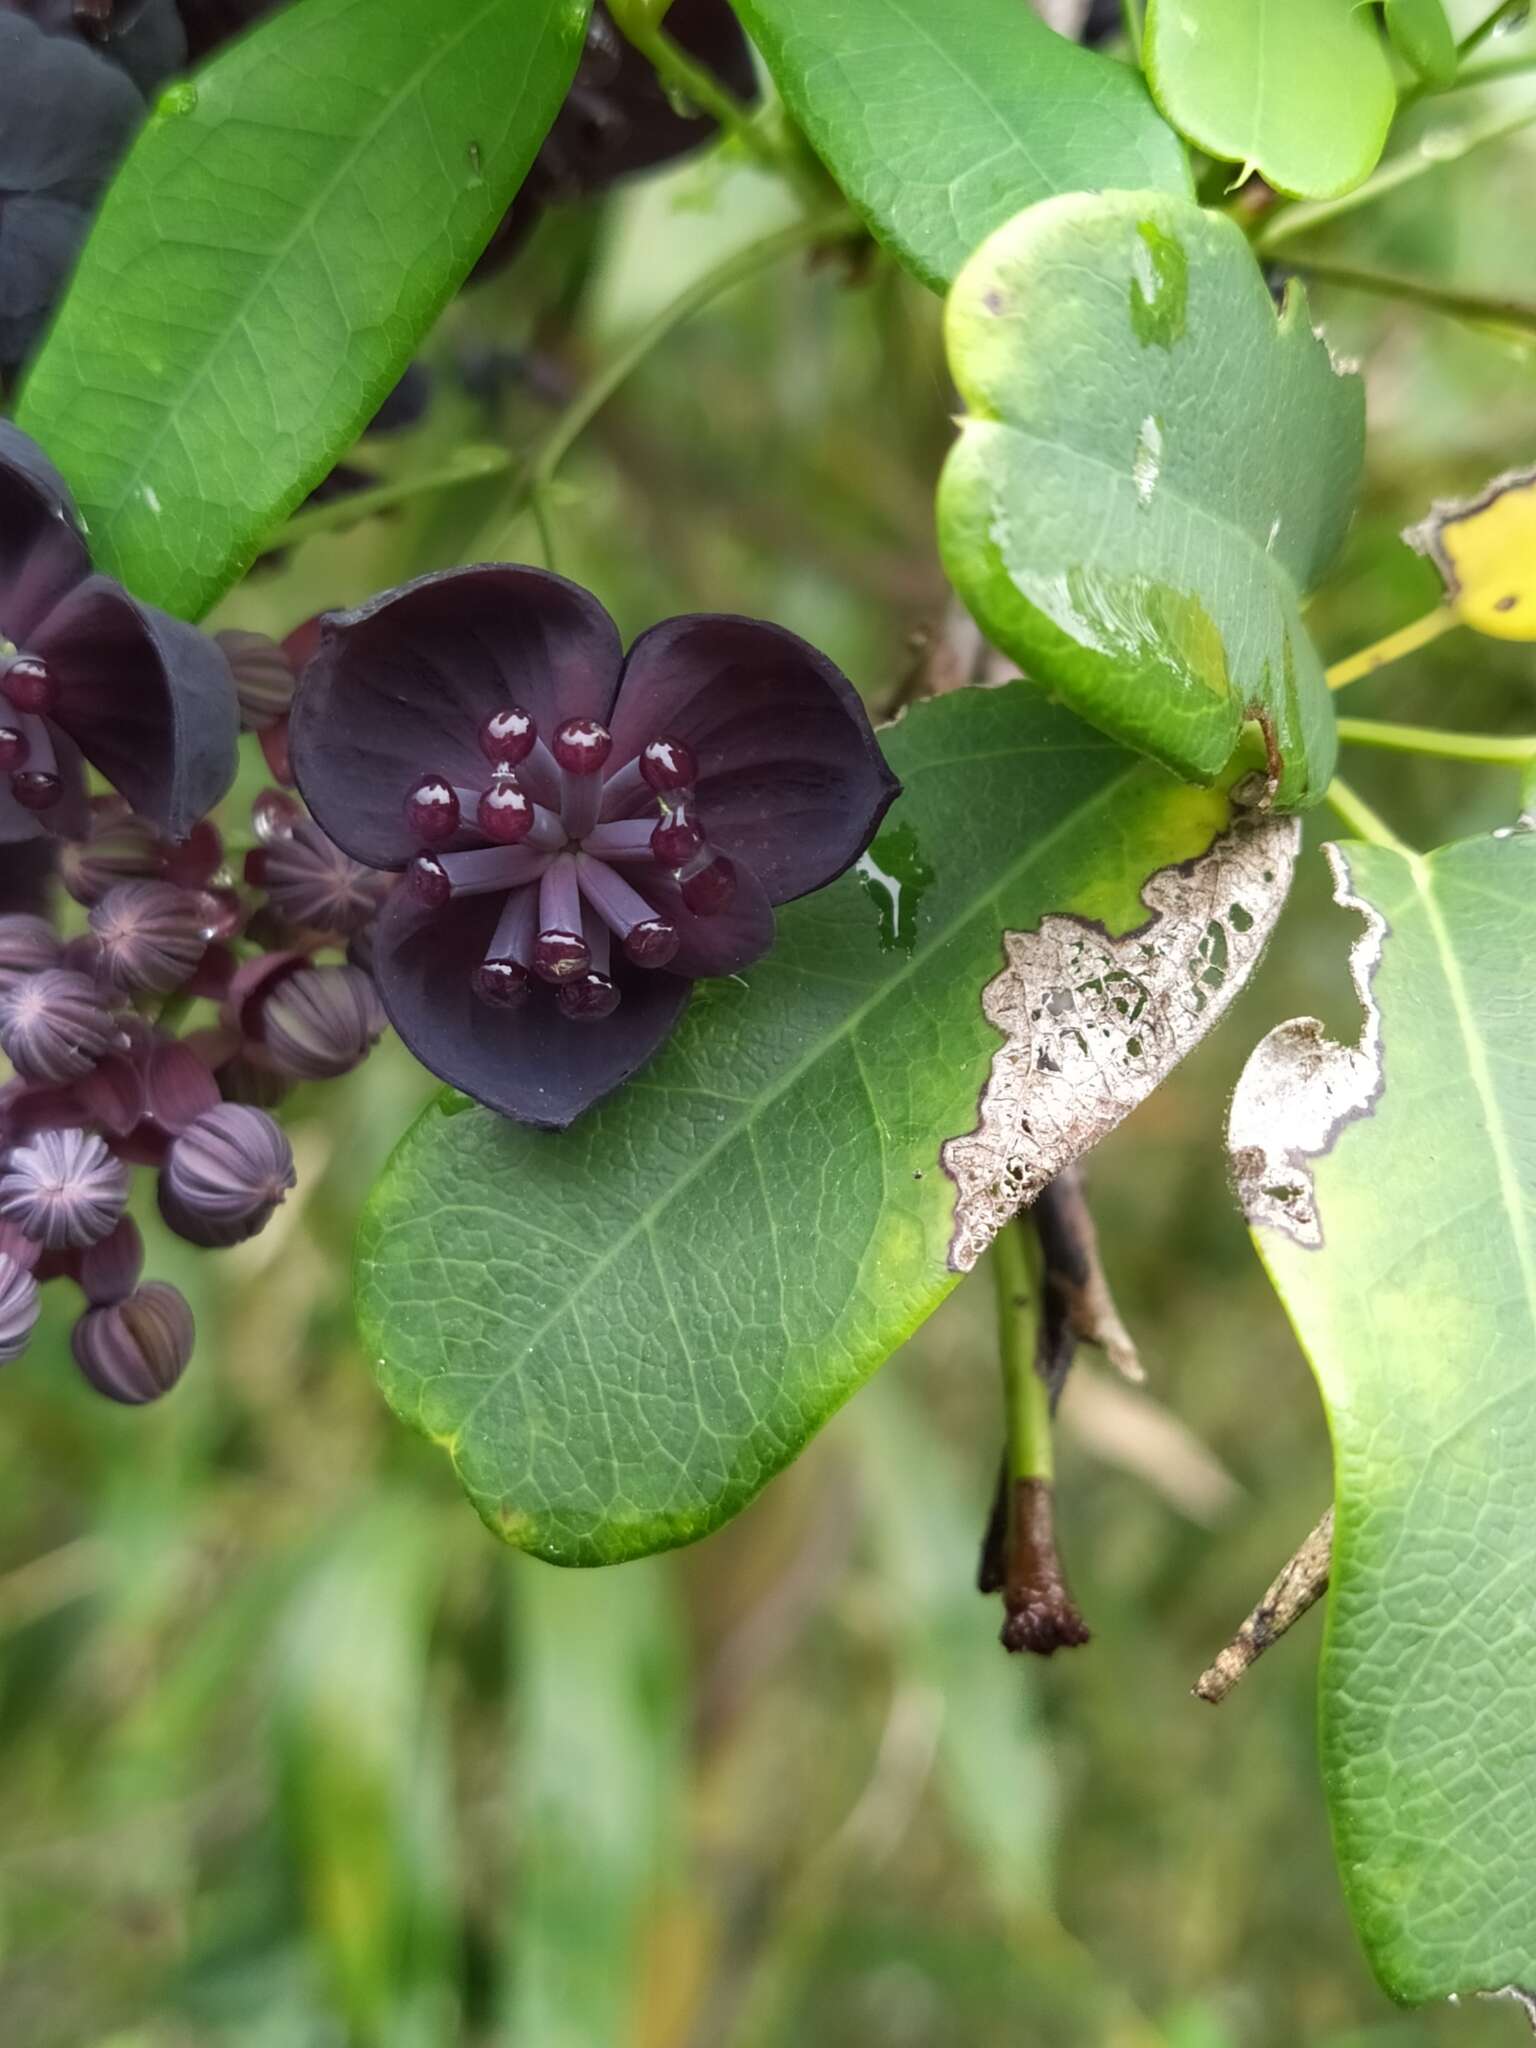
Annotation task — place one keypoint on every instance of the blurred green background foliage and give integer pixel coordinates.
(294, 1755)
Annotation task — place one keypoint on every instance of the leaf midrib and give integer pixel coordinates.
(111, 508)
(645, 1221)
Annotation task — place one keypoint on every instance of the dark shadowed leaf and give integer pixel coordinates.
(287, 226)
(620, 1331)
(1418, 1311)
(940, 121)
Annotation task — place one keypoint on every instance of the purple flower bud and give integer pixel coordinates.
(110, 1271)
(264, 678)
(225, 1175)
(63, 1188)
(310, 883)
(321, 1022)
(28, 945)
(119, 848)
(134, 1351)
(150, 935)
(55, 1026)
(18, 1308)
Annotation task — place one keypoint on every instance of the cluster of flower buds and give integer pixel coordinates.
(104, 1085)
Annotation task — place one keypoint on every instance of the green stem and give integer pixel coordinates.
(1445, 146)
(1361, 819)
(1486, 27)
(172, 1013)
(1518, 313)
(1017, 1276)
(1493, 748)
(1131, 13)
(1489, 73)
(1381, 653)
(737, 269)
(679, 71)
(468, 466)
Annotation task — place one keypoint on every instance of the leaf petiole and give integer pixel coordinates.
(1360, 819)
(1382, 653)
(1018, 1276)
(470, 465)
(1472, 306)
(1513, 751)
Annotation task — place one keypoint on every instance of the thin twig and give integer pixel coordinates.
(1300, 1584)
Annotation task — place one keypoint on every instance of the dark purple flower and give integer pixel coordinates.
(28, 944)
(63, 1189)
(18, 1307)
(586, 834)
(26, 877)
(87, 670)
(145, 38)
(54, 1026)
(136, 1350)
(321, 1022)
(224, 1175)
(150, 936)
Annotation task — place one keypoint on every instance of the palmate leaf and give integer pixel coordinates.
(288, 225)
(621, 1331)
(1297, 90)
(1154, 470)
(941, 120)
(1391, 1187)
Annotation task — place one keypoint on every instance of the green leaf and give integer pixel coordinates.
(1391, 1187)
(620, 1332)
(1423, 37)
(1297, 90)
(288, 225)
(1154, 471)
(940, 121)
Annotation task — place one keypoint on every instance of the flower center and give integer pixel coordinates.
(577, 845)
(26, 751)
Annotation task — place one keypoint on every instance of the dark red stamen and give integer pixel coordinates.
(427, 880)
(653, 942)
(589, 999)
(431, 811)
(560, 956)
(504, 984)
(709, 888)
(677, 837)
(27, 683)
(508, 736)
(669, 764)
(581, 746)
(504, 812)
(35, 790)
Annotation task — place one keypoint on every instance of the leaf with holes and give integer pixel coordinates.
(940, 121)
(1154, 470)
(287, 227)
(1298, 90)
(1418, 1312)
(621, 1331)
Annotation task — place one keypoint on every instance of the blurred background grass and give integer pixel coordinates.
(295, 1754)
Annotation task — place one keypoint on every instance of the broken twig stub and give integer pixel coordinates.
(1300, 1088)
(1300, 1584)
(1092, 1023)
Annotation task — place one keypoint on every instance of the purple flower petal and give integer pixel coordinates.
(723, 944)
(792, 783)
(400, 687)
(150, 701)
(42, 554)
(529, 1063)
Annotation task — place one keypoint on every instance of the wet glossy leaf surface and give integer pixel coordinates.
(620, 1332)
(1419, 1315)
(941, 121)
(285, 230)
(1298, 90)
(1155, 469)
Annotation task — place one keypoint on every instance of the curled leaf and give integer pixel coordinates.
(1485, 549)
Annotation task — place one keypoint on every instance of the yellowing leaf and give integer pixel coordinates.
(1485, 548)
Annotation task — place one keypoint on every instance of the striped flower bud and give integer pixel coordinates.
(151, 936)
(55, 1026)
(28, 945)
(118, 848)
(321, 1022)
(64, 1189)
(264, 679)
(134, 1351)
(18, 1308)
(224, 1175)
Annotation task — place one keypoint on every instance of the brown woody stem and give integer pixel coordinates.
(1301, 1582)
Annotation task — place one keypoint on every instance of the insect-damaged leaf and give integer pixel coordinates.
(1298, 90)
(940, 120)
(286, 228)
(1485, 548)
(1392, 1190)
(621, 1331)
(1155, 468)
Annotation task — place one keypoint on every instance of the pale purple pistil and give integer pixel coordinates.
(558, 821)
